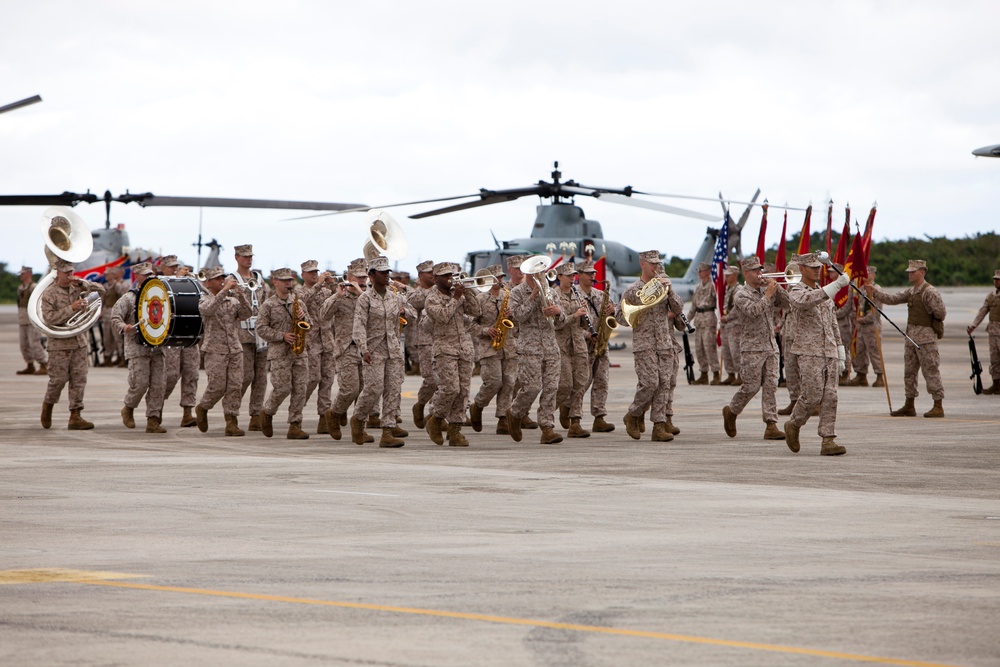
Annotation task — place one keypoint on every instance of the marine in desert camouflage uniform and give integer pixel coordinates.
(925, 325)
(181, 363)
(222, 309)
(991, 307)
(846, 314)
(29, 337)
(729, 325)
(339, 309)
(421, 333)
(820, 352)
(254, 348)
(653, 347)
(756, 301)
(111, 341)
(496, 366)
(868, 343)
(289, 371)
(571, 334)
(599, 366)
(68, 361)
(701, 313)
(146, 363)
(317, 289)
(788, 329)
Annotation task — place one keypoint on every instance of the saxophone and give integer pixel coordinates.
(503, 325)
(606, 324)
(299, 327)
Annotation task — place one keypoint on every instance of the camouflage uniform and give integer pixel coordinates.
(221, 315)
(452, 349)
(145, 362)
(339, 311)
(182, 363)
(704, 303)
(867, 344)
(67, 356)
(731, 326)
(29, 337)
(289, 371)
(422, 343)
(758, 350)
(788, 329)
(255, 361)
(538, 355)
(655, 352)
(113, 343)
(991, 307)
(846, 315)
(376, 331)
(571, 335)
(925, 305)
(320, 347)
(599, 366)
(817, 338)
(498, 368)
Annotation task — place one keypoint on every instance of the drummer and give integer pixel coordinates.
(145, 363)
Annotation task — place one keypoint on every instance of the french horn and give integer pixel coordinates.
(652, 293)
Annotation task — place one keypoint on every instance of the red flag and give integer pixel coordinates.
(866, 239)
(601, 267)
(804, 239)
(763, 231)
(780, 262)
(851, 266)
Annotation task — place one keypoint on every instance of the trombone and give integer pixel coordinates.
(791, 276)
(483, 281)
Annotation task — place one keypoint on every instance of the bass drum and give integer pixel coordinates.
(167, 312)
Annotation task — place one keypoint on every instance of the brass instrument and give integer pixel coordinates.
(483, 281)
(299, 327)
(606, 325)
(791, 276)
(402, 320)
(651, 294)
(534, 266)
(385, 237)
(503, 325)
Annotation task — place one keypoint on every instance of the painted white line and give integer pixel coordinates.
(358, 493)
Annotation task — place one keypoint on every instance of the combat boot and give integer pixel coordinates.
(514, 426)
(78, 423)
(737, 380)
(43, 369)
(333, 424)
(502, 426)
(46, 415)
(254, 423)
(641, 421)
(549, 436)
(673, 430)
(993, 388)
(389, 440)
(729, 421)
(201, 418)
(27, 370)
(564, 416)
(844, 379)
(772, 432)
(527, 422)
(123, 363)
(233, 427)
(936, 411)
(575, 430)
(879, 380)
(715, 379)
(153, 425)
(188, 419)
(632, 426)
(729, 379)
(908, 410)
(660, 433)
(434, 430)
(784, 412)
(373, 420)
(321, 427)
(399, 432)
(295, 432)
(418, 415)
(455, 437)
(128, 417)
(792, 436)
(702, 379)
(357, 431)
(266, 424)
(860, 380)
(601, 426)
(831, 448)
(476, 417)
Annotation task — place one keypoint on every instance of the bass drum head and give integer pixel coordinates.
(154, 309)
(167, 312)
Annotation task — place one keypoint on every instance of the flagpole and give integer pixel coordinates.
(885, 381)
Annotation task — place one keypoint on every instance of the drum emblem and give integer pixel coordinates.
(155, 312)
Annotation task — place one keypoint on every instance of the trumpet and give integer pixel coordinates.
(790, 275)
(483, 281)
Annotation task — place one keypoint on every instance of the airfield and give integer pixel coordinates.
(122, 548)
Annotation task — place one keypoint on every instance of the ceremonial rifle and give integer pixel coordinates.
(977, 368)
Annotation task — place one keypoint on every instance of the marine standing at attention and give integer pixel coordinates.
(29, 337)
(704, 303)
(729, 325)
(991, 307)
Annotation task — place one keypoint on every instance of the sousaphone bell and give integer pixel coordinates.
(385, 237)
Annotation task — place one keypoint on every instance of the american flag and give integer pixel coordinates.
(721, 250)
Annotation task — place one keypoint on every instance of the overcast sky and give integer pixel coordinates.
(382, 102)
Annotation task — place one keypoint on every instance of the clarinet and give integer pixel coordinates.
(586, 314)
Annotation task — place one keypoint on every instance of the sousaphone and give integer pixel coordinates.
(385, 237)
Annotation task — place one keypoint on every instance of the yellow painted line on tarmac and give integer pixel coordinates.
(58, 574)
(506, 620)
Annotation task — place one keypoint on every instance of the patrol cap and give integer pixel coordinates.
(142, 269)
(651, 256)
(996, 274)
(62, 265)
(245, 250)
(704, 266)
(732, 270)
(750, 263)
(566, 269)
(809, 259)
(446, 268)
(310, 265)
(358, 268)
(213, 272)
(283, 273)
(916, 265)
(26, 268)
(169, 260)
(378, 264)
(425, 266)
(496, 270)
(872, 269)
(515, 261)
(587, 267)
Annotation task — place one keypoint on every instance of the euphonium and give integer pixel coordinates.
(299, 327)
(503, 325)
(606, 325)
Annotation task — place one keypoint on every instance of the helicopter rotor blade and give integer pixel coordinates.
(715, 199)
(746, 213)
(639, 203)
(64, 199)
(149, 199)
(487, 197)
(368, 208)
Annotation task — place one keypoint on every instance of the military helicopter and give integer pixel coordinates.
(111, 246)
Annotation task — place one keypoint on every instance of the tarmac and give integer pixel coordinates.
(122, 548)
